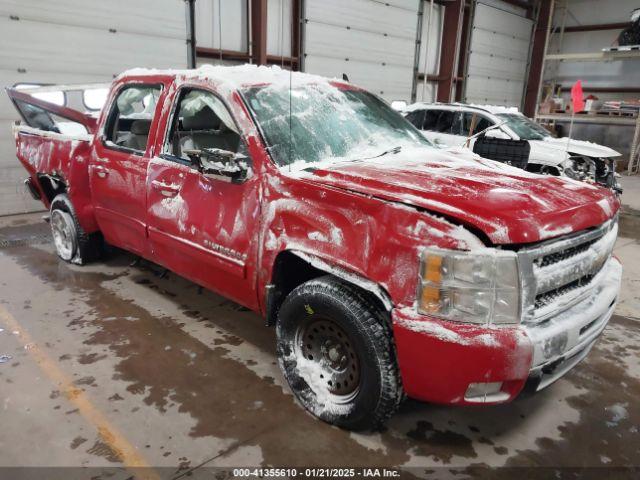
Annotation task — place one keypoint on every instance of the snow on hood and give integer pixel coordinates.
(579, 147)
(508, 204)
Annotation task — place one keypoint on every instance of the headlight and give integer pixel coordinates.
(472, 287)
(579, 167)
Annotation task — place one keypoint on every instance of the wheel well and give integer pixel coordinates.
(51, 186)
(291, 270)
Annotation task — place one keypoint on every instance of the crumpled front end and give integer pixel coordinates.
(569, 289)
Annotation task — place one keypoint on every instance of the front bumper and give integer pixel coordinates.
(440, 359)
(565, 339)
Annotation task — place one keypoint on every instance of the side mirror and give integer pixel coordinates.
(220, 164)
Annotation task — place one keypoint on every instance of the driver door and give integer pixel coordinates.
(200, 227)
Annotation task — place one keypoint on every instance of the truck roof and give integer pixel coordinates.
(234, 77)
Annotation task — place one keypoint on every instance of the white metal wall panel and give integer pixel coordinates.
(77, 41)
(371, 16)
(498, 55)
(372, 42)
(233, 20)
(359, 45)
(406, 4)
(390, 82)
(75, 50)
(431, 40)
(164, 18)
(279, 27)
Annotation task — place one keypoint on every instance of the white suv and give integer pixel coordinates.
(449, 125)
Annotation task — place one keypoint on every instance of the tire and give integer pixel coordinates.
(336, 351)
(72, 243)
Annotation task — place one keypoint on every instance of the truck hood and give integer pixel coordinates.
(511, 206)
(552, 151)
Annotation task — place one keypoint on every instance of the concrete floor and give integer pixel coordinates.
(112, 364)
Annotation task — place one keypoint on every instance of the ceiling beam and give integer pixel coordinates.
(594, 28)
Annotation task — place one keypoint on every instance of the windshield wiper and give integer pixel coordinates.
(393, 150)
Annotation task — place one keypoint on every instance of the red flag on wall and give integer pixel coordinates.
(577, 97)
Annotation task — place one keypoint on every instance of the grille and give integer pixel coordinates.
(544, 299)
(559, 273)
(556, 257)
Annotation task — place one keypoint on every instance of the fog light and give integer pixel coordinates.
(485, 392)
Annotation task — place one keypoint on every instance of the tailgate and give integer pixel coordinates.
(50, 141)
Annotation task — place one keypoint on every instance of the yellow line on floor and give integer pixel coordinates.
(123, 449)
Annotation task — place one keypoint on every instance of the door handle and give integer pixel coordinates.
(166, 189)
(101, 171)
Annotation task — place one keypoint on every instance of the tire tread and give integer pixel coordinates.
(377, 324)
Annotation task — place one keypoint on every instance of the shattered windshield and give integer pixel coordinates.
(328, 124)
(523, 127)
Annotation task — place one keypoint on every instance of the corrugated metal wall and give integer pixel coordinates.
(77, 41)
(373, 42)
(222, 20)
(430, 50)
(498, 54)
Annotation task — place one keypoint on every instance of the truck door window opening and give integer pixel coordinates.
(430, 120)
(445, 121)
(481, 123)
(130, 117)
(201, 121)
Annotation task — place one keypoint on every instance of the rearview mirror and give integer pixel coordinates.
(220, 164)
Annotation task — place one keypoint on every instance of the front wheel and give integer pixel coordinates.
(336, 351)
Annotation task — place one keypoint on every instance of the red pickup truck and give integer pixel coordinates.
(388, 267)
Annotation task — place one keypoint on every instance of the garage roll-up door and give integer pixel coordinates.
(372, 42)
(77, 41)
(498, 55)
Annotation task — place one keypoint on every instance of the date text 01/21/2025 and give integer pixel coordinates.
(316, 472)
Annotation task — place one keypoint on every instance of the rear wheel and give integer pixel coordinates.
(336, 351)
(72, 243)
(65, 237)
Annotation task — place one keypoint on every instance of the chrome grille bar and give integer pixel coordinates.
(559, 273)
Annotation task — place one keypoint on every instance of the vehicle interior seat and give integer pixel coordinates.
(137, 137)
(205, 130)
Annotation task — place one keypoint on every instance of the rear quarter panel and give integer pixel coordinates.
(62, 157)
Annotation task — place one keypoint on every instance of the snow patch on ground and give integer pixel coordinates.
(617, 412)
(371, 441)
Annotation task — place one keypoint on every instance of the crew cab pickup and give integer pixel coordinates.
(387, 266)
